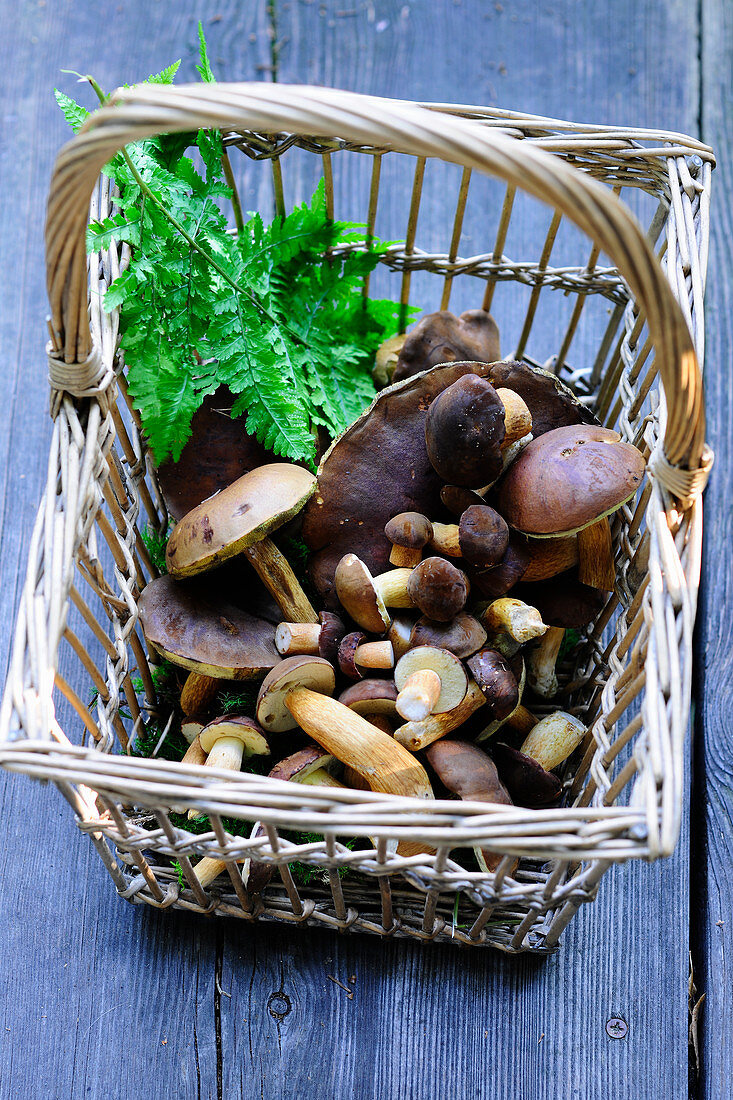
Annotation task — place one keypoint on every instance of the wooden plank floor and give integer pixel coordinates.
(100, 999)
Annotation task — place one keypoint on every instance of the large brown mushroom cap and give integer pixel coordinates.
(380, 466)
(237, 517)
(444, 338)
(467, 772)
(191, 625)
(483, 536)
(357, 593)
(568, 479)
(218, 452)
(464, 430)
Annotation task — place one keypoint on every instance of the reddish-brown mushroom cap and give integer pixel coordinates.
(438, 589)
(483, 536)
(371, 697)
(408, 532)
(191, 624)
(444, 338)
(464, 430)
(461, 635)
(456, 498)
(568, 479)
(298, 766)
(347, 653)
(497, 681)
(466, 771)
(329, 639)
(238, 726)
(527, 781)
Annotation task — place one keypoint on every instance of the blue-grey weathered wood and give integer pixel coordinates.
(712, 925)
(102, 999)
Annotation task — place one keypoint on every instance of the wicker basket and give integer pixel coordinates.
(77, 625)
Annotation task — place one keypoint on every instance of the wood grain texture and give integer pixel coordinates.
(101, 999)
(712, 855)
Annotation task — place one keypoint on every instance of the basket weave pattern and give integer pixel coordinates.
(630, 682)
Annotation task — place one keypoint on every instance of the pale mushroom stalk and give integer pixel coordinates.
(541, 660)
(417, 735)
(226, 740)
(392, 588)
(428, 680)
(194, 755)
(526, 772)
(553, 739)
(281, 582)
(296, 637)
(445, 540)
(384, 763)
(595, 556)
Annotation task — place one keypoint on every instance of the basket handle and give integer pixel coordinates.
(150, 109)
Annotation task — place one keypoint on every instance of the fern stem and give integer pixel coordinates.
(236, 204)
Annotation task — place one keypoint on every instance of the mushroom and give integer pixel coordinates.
(379, 759)
(417, 735)
(197, 694)
(438, 589)
(317, 639)
(190, 625)
(400, 634)
(409, 533)
(218, 451)
(568, 479)
(526, 772)
(227, 741)
(373, 699)
(496, 680)
(596, 566)
(444, 338)
(511, 623)
(471, 775)
(366, 598)
(355, 654)
(496, 581)
(462, 635)
(456, 498)
(565, 602)
(469, 426)
(312, 766)
(481, 537)
(294, 672)
(238, 520)
(429, 681)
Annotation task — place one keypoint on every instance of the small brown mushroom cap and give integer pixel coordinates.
(456, 498)
(292, 673)
(483, 536)
(237, 517)
(347, 653)
(462, 635)
(192, 626)
(444, 338)
(568, 479)
(409, 529)
(298, 766)
(357, 593)
(497, 580)
(497, 681)
(329, 639)
(371, 697)
(464, 430)
(528, 783)
(467, 772)
(438, 589)
(241, 727)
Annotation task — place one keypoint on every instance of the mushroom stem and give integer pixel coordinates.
(375, 655)
(392, 588)
(404, 557)
(385, 764)
(399, 635)
(541, 660)
(191, 729)
(208, 869)
(281, 582)
(293, 638)
(420, 695)
(445, 540)
(194, 755)
(595, 556)
(321, 777)
(522, 720)
(553, 739)
(198, 693)
(417, 735)
(226, 753)
(550, 557)
(517, 417)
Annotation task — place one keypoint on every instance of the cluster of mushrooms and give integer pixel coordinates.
(467, 479)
